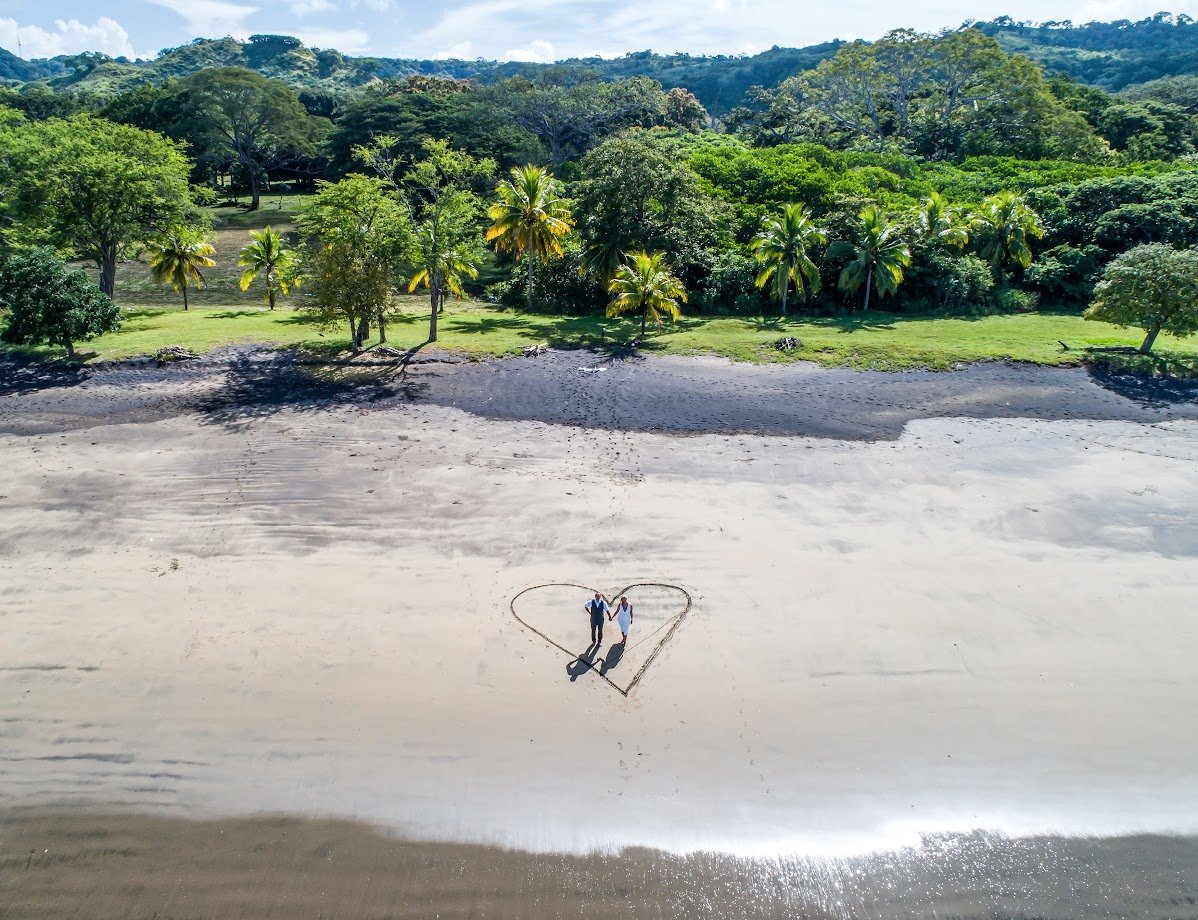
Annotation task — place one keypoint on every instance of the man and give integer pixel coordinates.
(597, 608)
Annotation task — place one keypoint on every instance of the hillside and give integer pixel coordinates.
(1112, 55)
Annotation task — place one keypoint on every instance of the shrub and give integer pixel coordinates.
(49, 303)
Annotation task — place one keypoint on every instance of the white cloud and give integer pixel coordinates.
(461, 51)
(347, 41)
(308, 7)
(211, 18)
(539, 51)
(70, 37)
(378, 6)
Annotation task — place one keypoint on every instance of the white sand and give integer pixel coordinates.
(984, 624)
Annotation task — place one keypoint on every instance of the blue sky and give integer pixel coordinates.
(510, 29)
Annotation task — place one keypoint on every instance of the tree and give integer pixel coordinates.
(783, 249)
(269, 255)
(635, 194)
(683, 110)
(49, 303)
(1006, 226)
(91, 189)
(443, 195)
(645, 283)
(937, 224)
(1153, 286)
(359, 232)
(259, 121)
(879, 255)
(177, 258)
(530, 218)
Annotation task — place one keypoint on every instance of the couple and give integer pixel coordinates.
(598, 608)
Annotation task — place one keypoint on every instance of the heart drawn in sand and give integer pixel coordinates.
(555, 612)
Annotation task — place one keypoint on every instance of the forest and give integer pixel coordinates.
(996, 168)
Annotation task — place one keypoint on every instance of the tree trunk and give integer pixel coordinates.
(382, 327)
(644, 316)
(255, 189)
(432, 317)
(70, 348)
(363, 330)
(869, 283)
(353, 335)
(108, 267)
(184, 298)
(785, 291)
(270, 295)
(531, 262)
(1150, 340)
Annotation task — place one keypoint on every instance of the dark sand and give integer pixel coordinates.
(587, 389)
(106, 866)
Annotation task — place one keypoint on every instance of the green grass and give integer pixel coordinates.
(878, 340)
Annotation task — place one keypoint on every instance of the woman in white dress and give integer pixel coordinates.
(623, 617)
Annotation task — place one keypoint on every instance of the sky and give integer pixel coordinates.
(527, 30)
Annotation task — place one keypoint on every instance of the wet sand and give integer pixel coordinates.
(109, 866)
(224, 596)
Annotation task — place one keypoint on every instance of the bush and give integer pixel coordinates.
(1067, 273)
(564, 286)
(729, 287)
(49, 303)
(1013, 300)
(1154, 287)
(939, 280)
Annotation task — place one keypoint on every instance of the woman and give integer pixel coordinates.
(623, 618)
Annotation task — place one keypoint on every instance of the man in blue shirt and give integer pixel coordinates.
(597, 608)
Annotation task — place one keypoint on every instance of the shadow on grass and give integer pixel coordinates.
(257, 388)
(1154, 381)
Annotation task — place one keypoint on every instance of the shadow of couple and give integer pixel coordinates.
(588, 659)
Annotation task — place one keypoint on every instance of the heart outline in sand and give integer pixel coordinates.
(674, 622)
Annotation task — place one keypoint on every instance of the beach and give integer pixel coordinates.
(876, 610)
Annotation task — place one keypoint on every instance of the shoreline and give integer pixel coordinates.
(123, 866)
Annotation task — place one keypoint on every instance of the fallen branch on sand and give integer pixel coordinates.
(174, 353)
(532, 351)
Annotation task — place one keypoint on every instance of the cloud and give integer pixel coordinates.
(347, 41)
(538, 50)
(308, 7)
(211, 18)
(70, 37)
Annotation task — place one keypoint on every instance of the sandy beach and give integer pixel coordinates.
(918, 605)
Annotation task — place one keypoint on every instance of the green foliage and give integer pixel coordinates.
(1153, 286)
(645, 284)
(1005, 227)
(566, 285)
(91, 189)
(268, 256)
(783, 248)
(878, 256)
(634, 194)
(939, 280)
(49, 303)
(530, 217)
(359, 232)
(177, 257)
(730, 286)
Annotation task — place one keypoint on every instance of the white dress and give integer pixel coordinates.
(624, 618)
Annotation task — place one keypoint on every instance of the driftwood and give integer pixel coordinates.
(174, 353)
(532, 351)
(790, 343)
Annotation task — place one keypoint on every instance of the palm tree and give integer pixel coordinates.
(177, 258)
(530, 217)
(1008, 225)
(441, 271)
(645, 283)
(782, 247)
(878, 256)
(269, 254)
(940, 224)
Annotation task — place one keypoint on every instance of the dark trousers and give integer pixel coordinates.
(596, 627)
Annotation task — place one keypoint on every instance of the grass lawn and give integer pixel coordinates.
(878, 340)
